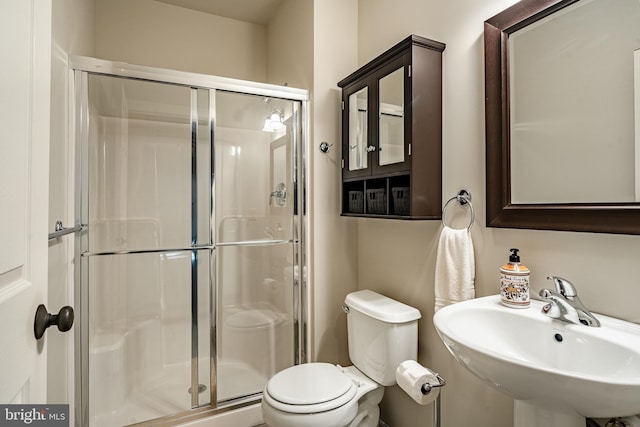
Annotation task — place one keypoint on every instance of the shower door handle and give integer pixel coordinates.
(63, 320)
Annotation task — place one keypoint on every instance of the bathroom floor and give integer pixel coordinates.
(380, 424)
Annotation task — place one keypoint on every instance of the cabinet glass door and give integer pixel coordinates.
(358, 117)
(391, 118)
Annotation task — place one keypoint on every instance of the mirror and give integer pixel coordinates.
(391, 118)
(560, 122)
(358, 129)
(571, 98)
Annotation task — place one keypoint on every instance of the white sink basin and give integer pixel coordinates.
(548, 364)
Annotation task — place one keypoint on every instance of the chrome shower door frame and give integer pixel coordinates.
(80, 69)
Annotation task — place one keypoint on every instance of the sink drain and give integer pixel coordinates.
(201, 389)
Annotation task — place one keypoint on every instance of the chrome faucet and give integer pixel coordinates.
(564, 304)
(280, 194)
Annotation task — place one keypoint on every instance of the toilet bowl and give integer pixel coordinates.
(382, 333)
(321, 394)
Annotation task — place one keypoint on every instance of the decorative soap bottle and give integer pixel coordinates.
(514, 282)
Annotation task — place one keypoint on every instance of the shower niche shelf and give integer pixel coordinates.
(392, 134)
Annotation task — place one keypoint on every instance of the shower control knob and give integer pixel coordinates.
(63, 320)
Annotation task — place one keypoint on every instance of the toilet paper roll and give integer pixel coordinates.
(410, 376)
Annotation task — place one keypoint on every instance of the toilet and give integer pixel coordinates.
(382, 333)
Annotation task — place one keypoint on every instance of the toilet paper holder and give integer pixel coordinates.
(427, 387)
(410, 376)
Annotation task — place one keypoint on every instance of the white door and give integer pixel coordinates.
(25, 57)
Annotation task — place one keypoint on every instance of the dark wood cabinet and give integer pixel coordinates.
(392, 133)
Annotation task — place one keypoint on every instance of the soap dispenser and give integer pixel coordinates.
(514, 282)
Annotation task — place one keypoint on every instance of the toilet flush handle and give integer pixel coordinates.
(345, 309)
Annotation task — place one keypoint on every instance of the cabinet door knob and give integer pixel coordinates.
(63, 320)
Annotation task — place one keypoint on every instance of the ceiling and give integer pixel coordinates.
(254, 11)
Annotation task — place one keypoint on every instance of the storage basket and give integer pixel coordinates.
(376, 201)
(400, 200)
(356, 202)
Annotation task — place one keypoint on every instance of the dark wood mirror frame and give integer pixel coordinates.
(618, 218)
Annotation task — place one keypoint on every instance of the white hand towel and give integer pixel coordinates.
(455, 267)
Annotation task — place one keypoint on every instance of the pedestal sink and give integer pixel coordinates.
(557, 372)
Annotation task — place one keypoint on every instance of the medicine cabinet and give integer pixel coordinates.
(392, 133)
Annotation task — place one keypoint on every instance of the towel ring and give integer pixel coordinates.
(463, 198)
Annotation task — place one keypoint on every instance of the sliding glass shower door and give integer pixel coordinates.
(147, 251)
(255, 232)
(190, 254)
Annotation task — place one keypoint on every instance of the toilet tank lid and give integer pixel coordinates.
(381, 308)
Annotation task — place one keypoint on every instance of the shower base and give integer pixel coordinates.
(167, 394)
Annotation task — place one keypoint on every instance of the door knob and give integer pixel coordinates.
(63, 320)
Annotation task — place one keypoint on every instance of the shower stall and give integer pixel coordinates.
(190, 264)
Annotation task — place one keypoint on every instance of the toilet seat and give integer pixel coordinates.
(325, 387)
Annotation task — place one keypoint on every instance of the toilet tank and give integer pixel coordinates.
(382, 333)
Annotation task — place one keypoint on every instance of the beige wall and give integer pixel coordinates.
(333, 238)
(290, 45)
(146, 32)
(397, 258)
